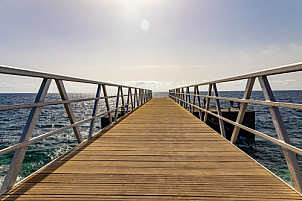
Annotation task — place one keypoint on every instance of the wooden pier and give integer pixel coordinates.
(159, 152)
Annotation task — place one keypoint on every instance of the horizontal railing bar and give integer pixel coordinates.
(42, 104)
(30, 73)
(271, 139)
(40, 137)
(258, 102)
(273, 71)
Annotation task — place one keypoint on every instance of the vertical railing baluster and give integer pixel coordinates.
(116, 104)
(189, 100)
(183, 98)
(68, 109)
(175, 99)
(107, 103)
(194, 97)
(207, 104)
(199, 102)
(135, 98)
(95, 107)
(240, 116)
(282, 134)
(140, 97)
(179, 96)
(144, 96)
(123, 100)
(174, 95)
(221, 123)
(186, 99)
(14, 169)
(128, 99)
(131, 99)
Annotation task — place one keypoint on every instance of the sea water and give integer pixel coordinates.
(54, 117)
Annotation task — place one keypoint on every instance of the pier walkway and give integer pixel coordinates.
(159, 152)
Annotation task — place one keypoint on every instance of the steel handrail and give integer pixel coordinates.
(183, 96)
(135, 98)
(31, 73)
(273, 71)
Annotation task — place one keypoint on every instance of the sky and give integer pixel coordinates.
(155, 44)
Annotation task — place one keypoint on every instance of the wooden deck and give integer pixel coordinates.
(159, 152)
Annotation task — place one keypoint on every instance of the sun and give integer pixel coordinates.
(145, 25)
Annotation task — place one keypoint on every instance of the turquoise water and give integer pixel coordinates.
(54, 117)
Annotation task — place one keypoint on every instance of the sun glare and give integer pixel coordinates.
(137, 5)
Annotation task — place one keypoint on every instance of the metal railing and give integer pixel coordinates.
(183, 97)
(135, 97)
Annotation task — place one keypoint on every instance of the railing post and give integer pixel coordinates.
(199, 102)
(123, 100)
(128, 100)
(116, 104)
(107, 103)
(179, 96)
(148, 95)
(131, 98)
(140, 96)
(207, 104)
(240, 117)
(68, 109)
(144, 96)
(175, 95)
(174, 91)
(189, 107)
(221, 124)
(14, 169)
(136, 103)
(183, 98)
(95, 107)
(290, 157)
(186, 99)
(194, 97)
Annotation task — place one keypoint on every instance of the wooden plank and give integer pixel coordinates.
(159, 152)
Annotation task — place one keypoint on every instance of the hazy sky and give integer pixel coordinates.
(158, 44)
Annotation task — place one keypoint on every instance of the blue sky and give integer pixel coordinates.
(158, 44)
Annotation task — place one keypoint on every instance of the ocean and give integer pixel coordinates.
(54, 117)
